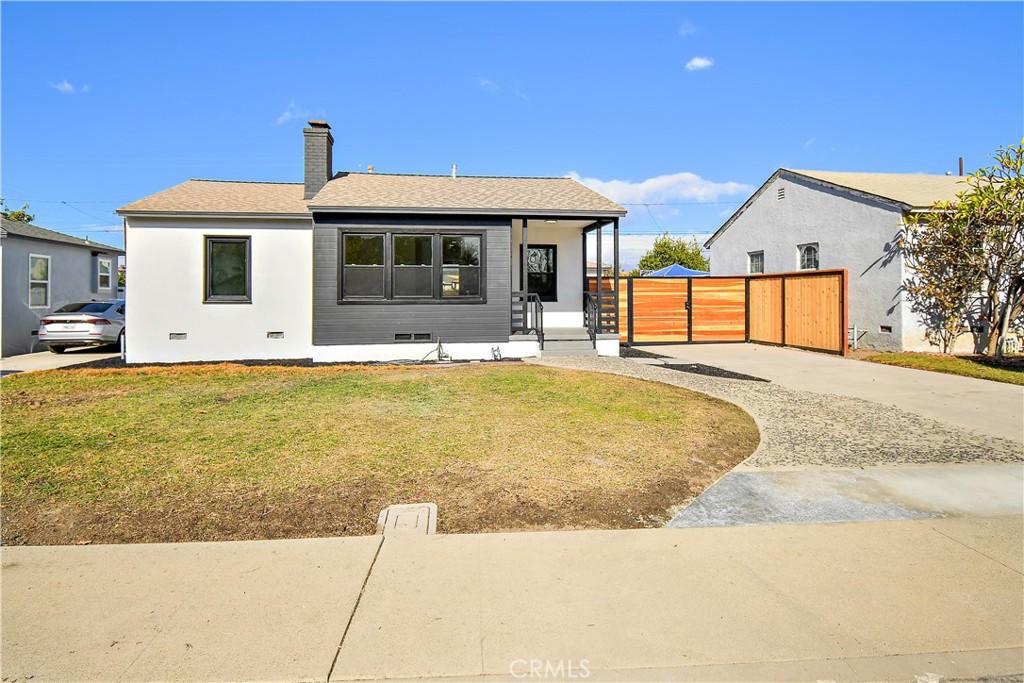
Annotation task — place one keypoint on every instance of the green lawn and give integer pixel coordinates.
(1010, 370)
(225, 451)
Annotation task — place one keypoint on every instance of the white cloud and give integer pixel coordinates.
(809, 142)
(65, 87)
(488, 85)
(291, 113)
(687, 28)
(700, 63)
(663, 188)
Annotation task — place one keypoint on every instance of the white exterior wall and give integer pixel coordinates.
(852, 233)
(383, 353)
(167, 291)
(568, 240)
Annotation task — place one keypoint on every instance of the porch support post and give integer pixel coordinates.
(523, 256)
(615, 249)
(600, 277)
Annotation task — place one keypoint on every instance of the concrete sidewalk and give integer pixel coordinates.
(863, 601)
(45, 360)
(979, 405)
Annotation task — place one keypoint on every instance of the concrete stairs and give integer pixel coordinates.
(567, 341)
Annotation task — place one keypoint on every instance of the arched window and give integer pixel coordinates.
(808, 256)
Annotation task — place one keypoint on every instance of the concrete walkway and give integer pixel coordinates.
(45, 360)
(866, 601)
(987, 407)
(774, 496)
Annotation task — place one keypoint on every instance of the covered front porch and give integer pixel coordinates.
(565, 289)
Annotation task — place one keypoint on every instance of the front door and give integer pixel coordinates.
(542, 271)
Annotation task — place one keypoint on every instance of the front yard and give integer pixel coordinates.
(1010, 369)
(230, 452)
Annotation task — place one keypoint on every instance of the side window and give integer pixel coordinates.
(412, 270)
(38, 281)
(460, 266)
(228, 271)
(363, 267)
(808, 256)
(755, 262)
(103, 273)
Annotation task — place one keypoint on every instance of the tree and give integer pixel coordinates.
(668, 250)
(973, 245)
(21, 214)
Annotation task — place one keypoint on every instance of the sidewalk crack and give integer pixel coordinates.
(355, 607)
(957, 540)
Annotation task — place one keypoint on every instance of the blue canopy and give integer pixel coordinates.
(676, 270)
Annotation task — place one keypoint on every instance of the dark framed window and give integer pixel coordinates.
(542, 271)
(410, 266)
(363, 266)
(412, 271)
(228, 270)
(460, 266)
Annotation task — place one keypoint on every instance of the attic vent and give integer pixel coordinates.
(782, 193)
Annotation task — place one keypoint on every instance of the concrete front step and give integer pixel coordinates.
(568, 348)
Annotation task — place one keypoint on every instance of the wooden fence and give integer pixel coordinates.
(806, 309)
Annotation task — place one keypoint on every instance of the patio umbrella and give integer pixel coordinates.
(676, 270)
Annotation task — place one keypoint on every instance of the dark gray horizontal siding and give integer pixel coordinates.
(370, 323)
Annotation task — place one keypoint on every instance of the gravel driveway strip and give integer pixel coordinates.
(802, 428)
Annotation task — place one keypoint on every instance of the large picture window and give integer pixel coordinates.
(38, 281)
(228, 270)
(410, 266)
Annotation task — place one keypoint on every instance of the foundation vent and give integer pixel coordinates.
(275, 335)
(178, 336)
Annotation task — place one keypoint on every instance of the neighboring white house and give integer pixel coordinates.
(800, 220)
(366, 266)
(44, 270)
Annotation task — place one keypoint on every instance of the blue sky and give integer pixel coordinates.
(687, 106)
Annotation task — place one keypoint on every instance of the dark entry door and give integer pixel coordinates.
(542, 271)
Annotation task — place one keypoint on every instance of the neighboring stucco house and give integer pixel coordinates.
(44, 270)
(365, 266)
(799, 220)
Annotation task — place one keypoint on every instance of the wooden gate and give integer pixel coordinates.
(805, 309)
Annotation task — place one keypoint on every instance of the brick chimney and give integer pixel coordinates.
(318, 144)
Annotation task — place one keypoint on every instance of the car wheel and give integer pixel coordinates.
(58, 349)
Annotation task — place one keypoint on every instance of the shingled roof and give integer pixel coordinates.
(229, 197)
(915, 190)
(462, 194)
(20, 229)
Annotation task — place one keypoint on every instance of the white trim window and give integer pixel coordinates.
(38, 281)
(808, 254)
(104, 271)
(755, 262)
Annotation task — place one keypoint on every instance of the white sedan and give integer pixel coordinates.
(92, 323)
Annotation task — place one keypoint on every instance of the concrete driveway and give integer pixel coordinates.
(979, 405)
(44, 360)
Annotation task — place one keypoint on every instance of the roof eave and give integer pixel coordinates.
(127, 213)
(604, 213)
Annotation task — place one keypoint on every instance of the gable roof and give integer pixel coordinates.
(379, 192)
(907, 191)
(20, 229)
(915, 190)
(215, 197)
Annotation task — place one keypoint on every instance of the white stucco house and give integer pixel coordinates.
(800, 220)
(355, 267)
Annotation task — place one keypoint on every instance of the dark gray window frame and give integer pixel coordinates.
(390, 266)
(437, 233)
(385, 271)
(208, 296)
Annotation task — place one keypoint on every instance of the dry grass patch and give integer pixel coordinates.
(230, 452)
